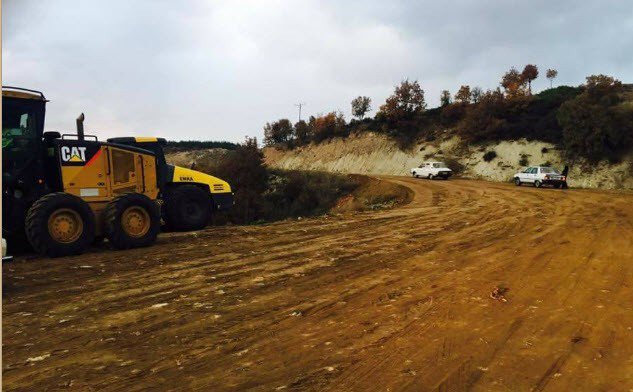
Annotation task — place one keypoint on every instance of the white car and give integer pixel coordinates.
(539, 176)
(432, 170)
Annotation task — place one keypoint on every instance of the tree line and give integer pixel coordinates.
(592, 120)
(197, 145)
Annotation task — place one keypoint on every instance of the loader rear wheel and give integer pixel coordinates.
(187, 207)
(131, 221)
(60, 224)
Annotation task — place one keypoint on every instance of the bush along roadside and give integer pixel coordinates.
(292, 194)
(264, 195)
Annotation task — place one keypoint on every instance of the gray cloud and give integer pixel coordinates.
(221, 69)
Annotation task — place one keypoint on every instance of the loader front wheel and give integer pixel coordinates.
(187, 207)
(60, 224)
(131, 221)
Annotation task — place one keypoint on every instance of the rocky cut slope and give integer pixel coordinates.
(372, 153)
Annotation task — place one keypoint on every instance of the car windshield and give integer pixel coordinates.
(549, 170)
(439, 165)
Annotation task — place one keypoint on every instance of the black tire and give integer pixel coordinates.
(517, 181)
(136, 208)
(415, 175)
(431, 176)
(537, 184)
(186, 208)
(72, 212)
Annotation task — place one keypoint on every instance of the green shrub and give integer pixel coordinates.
(524, 160)
(246, 172)
(597, 124)
(303, 193)
(496, 117)
(490, 155)
(263, 195)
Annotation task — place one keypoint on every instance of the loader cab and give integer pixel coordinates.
(23, 153)
(29, 163)
(22, 130)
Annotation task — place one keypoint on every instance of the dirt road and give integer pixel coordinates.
(390, 300)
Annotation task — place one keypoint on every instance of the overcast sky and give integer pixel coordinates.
(219, 70)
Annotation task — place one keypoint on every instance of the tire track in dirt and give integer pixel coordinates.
(395, 299)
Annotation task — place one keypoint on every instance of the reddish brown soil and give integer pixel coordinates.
(390, 300)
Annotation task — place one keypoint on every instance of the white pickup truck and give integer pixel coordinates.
(432, 170)
(539, 176)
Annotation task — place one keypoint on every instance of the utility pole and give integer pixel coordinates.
(300, 105)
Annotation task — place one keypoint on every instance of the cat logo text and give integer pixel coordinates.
(73, 154)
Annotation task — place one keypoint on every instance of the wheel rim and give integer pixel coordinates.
(65, 225)
(135, 221)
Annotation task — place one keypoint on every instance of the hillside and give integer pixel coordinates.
(372, 153)
(489, 135)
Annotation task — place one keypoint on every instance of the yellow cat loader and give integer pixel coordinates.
(189, 197)
(64, 191)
